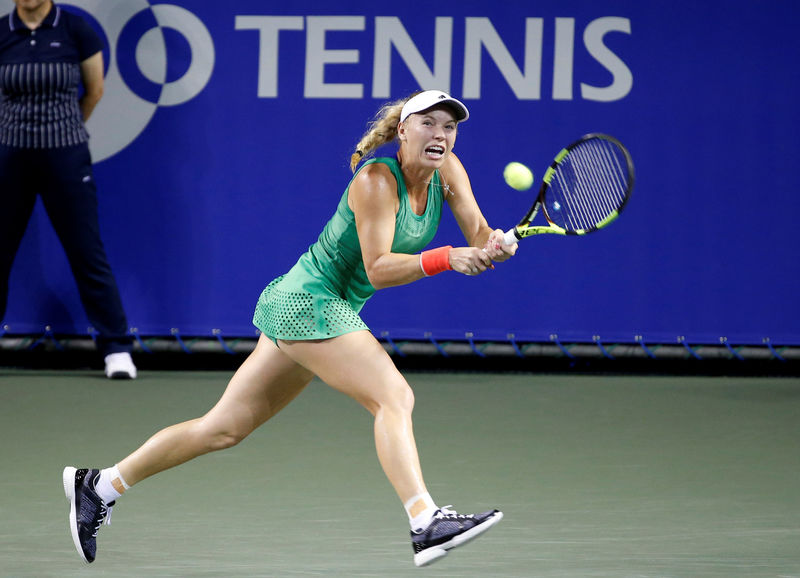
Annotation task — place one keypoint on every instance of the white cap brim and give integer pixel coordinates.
(430, 98)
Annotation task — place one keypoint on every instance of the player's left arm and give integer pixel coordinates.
(92, 78)
(468, 214)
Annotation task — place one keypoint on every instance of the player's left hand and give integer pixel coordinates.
(496, 250)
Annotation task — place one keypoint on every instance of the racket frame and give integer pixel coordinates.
(525, 229)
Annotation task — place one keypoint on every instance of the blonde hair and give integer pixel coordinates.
(381, 130)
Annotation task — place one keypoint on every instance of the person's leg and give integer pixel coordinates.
(356, 364)
(17, 200)
(265, 383)
(69, 195)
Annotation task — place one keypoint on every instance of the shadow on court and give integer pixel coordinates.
(598, 476)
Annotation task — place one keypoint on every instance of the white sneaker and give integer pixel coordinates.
(120, 366)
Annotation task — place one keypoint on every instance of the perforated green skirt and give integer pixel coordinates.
(303, 311)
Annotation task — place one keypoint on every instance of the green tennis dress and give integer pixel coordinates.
(321, 296)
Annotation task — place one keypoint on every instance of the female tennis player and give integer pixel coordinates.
(310, 324)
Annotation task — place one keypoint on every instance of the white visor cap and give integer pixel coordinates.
(430, 98)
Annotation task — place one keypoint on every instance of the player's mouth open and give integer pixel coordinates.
(434, 151)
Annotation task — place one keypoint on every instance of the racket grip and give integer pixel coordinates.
(510, 237)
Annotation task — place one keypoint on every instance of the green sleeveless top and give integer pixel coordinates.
(320, 296)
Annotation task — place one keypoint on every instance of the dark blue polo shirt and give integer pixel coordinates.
(39, 79)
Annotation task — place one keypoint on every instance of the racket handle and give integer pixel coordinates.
(510, 237)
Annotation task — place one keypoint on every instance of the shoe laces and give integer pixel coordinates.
(105, 518)
(446, 512)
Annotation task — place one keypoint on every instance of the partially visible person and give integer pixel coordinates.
(46, 53)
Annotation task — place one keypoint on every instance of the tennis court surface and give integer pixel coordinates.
(598, 476)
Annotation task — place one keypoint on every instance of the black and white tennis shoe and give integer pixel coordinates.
(87, 511)
(449, 530)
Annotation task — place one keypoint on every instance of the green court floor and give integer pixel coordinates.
(598, 476)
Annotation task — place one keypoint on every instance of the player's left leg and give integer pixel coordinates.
(356, 364)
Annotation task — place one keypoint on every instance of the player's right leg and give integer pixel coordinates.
(265, 383)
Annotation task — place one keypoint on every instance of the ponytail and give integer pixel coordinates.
(380, 131)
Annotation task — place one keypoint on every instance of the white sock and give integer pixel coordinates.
(424, 518)
(110, 485)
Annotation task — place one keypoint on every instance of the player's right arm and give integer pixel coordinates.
(374, 201)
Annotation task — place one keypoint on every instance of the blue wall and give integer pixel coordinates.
(219, 160)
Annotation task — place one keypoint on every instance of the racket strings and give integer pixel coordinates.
(589, 185)
(599, 181)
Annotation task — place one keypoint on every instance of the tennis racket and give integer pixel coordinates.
(584, 190)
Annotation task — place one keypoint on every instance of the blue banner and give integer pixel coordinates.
(222, 144)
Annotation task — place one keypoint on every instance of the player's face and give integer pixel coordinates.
(430, 135)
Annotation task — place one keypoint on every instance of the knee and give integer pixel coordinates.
(216, 438)
(399, 398)
(225, 440)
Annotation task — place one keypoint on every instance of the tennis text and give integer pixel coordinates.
(480, 36)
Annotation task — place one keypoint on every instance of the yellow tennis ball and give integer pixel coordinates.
(518, 176)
